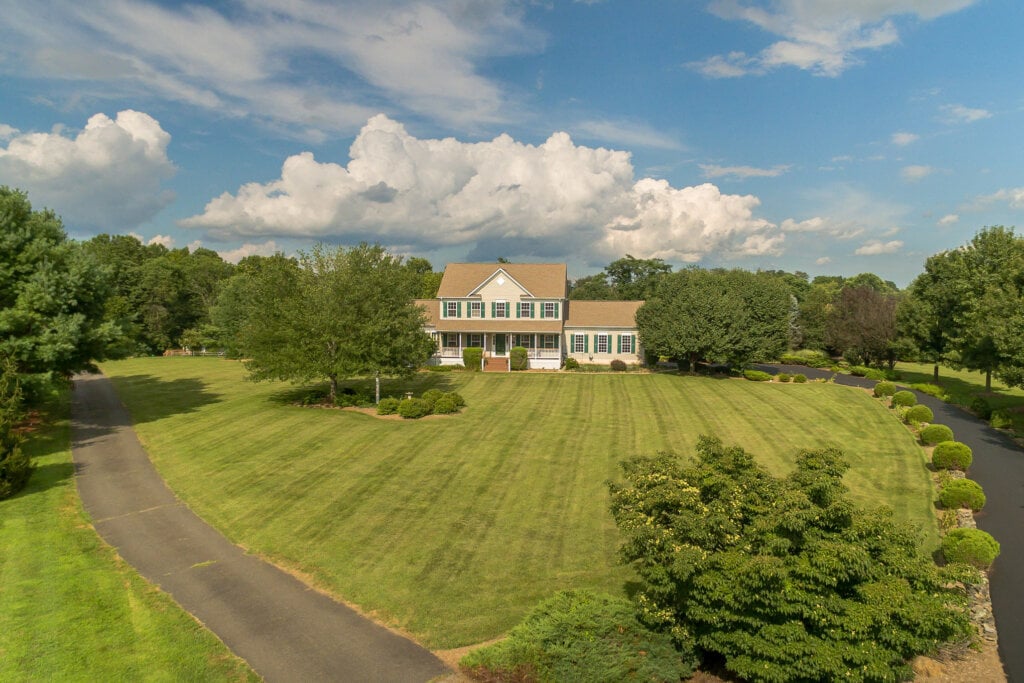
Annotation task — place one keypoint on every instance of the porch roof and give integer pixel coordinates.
(500, 325)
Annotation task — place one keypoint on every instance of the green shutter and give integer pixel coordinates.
(459, 309)
(586, 343)
(572, 343)
(493, 307)
(618, 343)
(483, 310)
(518, 305)
(556, 309)
(531, 309)
(557, 337)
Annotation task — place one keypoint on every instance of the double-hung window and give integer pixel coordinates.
(476, 340)
(476, 309)
(626, 344)
(601, 344)
(451, 340)
(550, 341)
(500, 309)
(451, 309)
(525, 309)
(579, 343)
(524, 340)
(550, 309)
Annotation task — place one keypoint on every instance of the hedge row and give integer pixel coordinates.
(432, 402)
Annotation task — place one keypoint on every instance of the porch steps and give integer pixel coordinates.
(493, 364)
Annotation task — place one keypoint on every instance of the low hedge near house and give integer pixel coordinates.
(519, 358)
(472, 358)
(952, 455)
(618, 365)
(962, 493)
(971, 546)
(935, 433)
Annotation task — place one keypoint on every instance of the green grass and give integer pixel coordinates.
(70, 610)
(962, 386)
(454, 527)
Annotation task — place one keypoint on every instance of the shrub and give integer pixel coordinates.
(918, 414)
(519, 358)
(884, 388)
(444, 368)
(15, 465)
(1001, 419)
(952, 455)
(431, 396)
(472, 357)
(859, 370)
(800, 379)
(876, 374)
(903, 398)
(581, 636)
(971, 546)
(757, 376)
(933, 434)
(618, 365)
(931, 390)
(571, 364)
(387, 406)
(962, 493)
(413, 408)
(782, 376)
(445, 406)
(980, 407)
(812, 359)
(456, 399)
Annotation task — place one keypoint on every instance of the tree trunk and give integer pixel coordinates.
(935, 374)
(334, 387)
(377, 387)
(988, 380)
(693, 363)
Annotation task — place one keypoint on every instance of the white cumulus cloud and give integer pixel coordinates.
(914, 173)
(902, 139)
(1013, 197)
(949, 219)
(876, 247)
(821, 36)
(268, 248)
(548, 200)
(109, 175)
(958, 113)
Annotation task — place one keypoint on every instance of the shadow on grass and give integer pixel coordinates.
(153, 398)
(46, 477)
(389, 386)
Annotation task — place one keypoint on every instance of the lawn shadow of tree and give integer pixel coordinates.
(396, 387)
(46, 477)
(153, 398)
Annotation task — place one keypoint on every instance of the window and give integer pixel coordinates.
(525, 309)
(550, 341)
(451, 340)
(500, 309)
(476, 340)
(579, 343)
(550, 310)
(476, 309)
(451, 309)
(524, 340)
(601, 343)
(626, 344)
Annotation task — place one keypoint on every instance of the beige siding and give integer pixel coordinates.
(593, 355)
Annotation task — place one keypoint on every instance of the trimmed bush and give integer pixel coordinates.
(812, 359)
(962, 493)
(782, 377)
(413, 408)
(618, 365)
(472, 357)
(444, 368)
(933, 434)
(918, 414)
(800, 379)
(860, 370)
(903, 398)
(971, 546)
(931, 390)
(1001, 419)
(456, 399)
(952, 455)
(431, 396)
(980, 407)
(445, 406)
(519, 358)
(388, 406)
(876, 374)
(581, 636)
(884, 388)
(571, 364)
(757, 376)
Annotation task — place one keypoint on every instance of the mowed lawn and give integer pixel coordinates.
(453, 527)
(70, 610)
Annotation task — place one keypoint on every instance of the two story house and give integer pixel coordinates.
(499, 306)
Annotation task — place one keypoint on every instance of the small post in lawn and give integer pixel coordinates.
(376, 381)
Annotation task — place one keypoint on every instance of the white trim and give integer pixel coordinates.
(495, 275)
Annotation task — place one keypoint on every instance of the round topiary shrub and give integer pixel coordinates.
(1001, 419)
(903, 398)
(413, 408)
(456, 399)
(757, 376)
(431, 396)
(618, 365)
(884, 389)
(387, 406)
(445, 406)
(972, 546)
(918, 414)
(952, 455)
(518, 358)
(962, 493)
(980, 407)
(783, 377)
(800, 379)
(933, 434)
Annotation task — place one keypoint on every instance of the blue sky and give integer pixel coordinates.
(816, 135)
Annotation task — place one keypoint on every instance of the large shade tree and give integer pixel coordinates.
(338, 313)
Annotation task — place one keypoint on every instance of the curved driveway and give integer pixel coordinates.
(285, 630)
(999, 467)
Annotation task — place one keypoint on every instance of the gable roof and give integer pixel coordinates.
(542, 280)
(602, 313)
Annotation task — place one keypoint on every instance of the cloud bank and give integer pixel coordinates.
(549, 200)
(108, 176)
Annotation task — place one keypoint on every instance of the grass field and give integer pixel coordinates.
(70, 610)
(453, 527)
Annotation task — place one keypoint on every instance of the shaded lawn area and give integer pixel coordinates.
(454, 527)
(962, 386)
(70, 609)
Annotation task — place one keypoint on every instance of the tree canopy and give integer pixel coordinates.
(333, 314)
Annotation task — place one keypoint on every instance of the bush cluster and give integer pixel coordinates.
(935, 433)
(962, 493)
(800, 379)
(472, 357)
(432, 402)
(1001, 419)
(518, 358)
(413, 408)
(884, 388)
(349, 397)
(618, 365)
(812, 359)
(952, 455)
(581, 636)
(918, 414)
(903, 398)
(757, 376)
(971, 546)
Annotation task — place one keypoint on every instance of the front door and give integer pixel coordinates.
(499, 344)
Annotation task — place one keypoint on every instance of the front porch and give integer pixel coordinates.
(543, 350)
